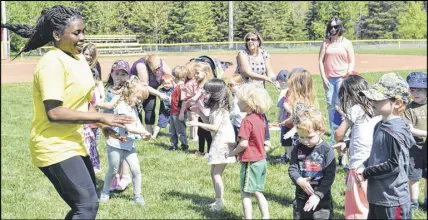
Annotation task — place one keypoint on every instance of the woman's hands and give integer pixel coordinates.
(116, 120)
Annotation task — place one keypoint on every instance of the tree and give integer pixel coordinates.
(150, 23)
(175, 27)
(413, 23)
(382, 20)
(249, 16)
(221, 20)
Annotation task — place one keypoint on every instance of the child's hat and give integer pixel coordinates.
(121, 65)
(390, 85)
(282, 75)
(417, 80)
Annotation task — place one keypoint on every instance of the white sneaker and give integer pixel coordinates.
(207, 155)
(104, 197)
(216, 206)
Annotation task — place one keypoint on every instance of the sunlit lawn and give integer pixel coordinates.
(175, 184)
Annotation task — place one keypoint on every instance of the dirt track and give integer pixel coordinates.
(21, 70)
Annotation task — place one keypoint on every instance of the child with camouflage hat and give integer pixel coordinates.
(386, 168)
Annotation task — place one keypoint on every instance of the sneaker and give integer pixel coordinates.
(114, 183)
(185, 147)
(123, 183)
(340, 163)
(284, 159)
(207, 155)
(139, 200)
(414, 205)
(216, 207)
(104, 197)
(346, 168)
(172, 148)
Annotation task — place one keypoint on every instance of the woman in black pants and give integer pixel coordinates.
(150, 70)
(62, 90)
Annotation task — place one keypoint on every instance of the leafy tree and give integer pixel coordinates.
(413, 21)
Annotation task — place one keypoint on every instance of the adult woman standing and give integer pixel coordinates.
(254, 65)
(149, 70)
(336, 61)
(62, 90)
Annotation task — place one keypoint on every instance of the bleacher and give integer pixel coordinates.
(116, 44)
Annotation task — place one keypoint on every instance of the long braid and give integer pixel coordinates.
(56, 18)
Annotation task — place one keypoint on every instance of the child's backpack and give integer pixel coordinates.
(217, 66)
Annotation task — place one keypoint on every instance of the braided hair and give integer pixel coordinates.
(56, 18)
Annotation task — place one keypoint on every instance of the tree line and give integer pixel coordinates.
(207, 21)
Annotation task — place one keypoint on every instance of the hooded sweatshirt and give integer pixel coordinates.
(387, 167)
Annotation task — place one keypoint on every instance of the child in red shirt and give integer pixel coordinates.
(254, 100)
(177, 125)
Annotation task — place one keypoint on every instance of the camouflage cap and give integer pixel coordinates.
(390, 85)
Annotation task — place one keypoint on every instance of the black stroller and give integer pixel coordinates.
(218, 67)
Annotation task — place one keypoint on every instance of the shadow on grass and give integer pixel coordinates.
(200, 205)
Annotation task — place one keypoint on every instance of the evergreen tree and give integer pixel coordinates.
(382, 20)
(220, 11)
(175, 28)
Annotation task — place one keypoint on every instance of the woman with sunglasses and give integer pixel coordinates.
(253, 64)
(336, 61)
(150, 70)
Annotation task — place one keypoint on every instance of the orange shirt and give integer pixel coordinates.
(337, 63)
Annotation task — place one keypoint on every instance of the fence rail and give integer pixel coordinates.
(277, 46)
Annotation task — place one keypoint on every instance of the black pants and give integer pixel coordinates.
(324, 210)
(395, 212)
(149, 106)
(204, 135)
(74, 180)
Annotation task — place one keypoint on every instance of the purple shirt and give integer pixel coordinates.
(154, 81)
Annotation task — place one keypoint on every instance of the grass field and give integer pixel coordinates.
(395, 51)
(175, 185)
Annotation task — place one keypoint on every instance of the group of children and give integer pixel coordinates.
(384, 121)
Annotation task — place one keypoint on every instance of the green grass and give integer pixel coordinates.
(386, 51)
(175, 185)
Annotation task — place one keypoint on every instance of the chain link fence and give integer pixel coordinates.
(272, 47)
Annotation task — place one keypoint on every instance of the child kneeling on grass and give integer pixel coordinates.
(255, 101)
(131, 94)
(386, 168)
(312, 166)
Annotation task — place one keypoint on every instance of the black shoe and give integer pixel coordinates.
(340, 163)
(284, 159)
(185, 147)
(172, 148)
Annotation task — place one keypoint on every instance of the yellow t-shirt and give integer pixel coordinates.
(59, 77)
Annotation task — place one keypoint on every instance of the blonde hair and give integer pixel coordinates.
(133, 86)
(93, 51)
(301, 87)
(235, 79)
(308, 118)
(255, 97)
(180, 72)
(204, 67)
(191, 72)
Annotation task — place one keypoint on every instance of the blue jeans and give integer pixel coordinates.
(332, 95)
(74, 180)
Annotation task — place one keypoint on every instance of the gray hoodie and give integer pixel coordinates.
(387, 167)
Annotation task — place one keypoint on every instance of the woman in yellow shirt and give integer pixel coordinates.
(62, 91)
